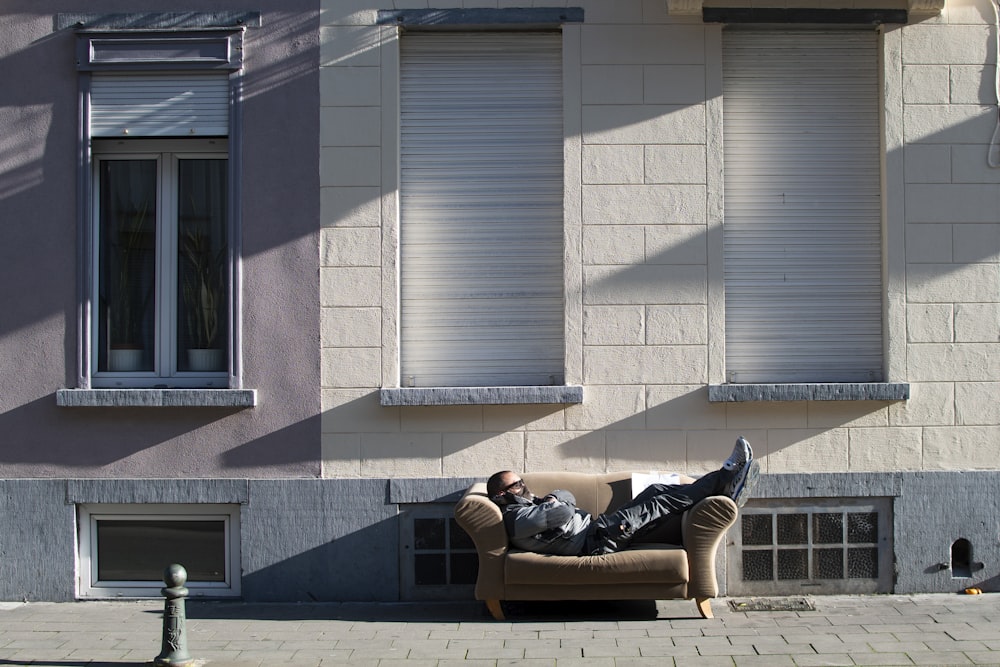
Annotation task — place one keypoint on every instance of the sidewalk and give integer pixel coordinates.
(841, 630)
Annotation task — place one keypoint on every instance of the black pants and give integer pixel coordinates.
(615, 531)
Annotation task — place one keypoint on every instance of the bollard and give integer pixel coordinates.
(173, 650)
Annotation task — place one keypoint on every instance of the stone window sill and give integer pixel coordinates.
(830, 391)
(156, 398)
(567, 394)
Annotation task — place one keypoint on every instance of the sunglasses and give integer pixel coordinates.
(519, 484)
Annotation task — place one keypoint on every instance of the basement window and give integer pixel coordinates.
(438, 559)
(835, 546)
(124, 549)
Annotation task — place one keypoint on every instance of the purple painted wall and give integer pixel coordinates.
(38, 274)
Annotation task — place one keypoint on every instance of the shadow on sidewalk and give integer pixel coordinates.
(439, 612)
(73, 663)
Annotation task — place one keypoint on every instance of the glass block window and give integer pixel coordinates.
(825, 546)
(438, 560)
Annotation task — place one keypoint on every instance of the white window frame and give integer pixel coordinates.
(90, 587)
(167, 154)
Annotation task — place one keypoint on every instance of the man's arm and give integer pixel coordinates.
(526, 520)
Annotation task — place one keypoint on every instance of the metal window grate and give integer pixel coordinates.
(438, 560)
(825, 546)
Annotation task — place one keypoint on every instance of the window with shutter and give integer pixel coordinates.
(802, 229)
(481, 206)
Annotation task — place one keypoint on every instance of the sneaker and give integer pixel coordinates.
(743, 483)
(745, 472)
(742, 452)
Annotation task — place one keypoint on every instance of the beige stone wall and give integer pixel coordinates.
(643, 221)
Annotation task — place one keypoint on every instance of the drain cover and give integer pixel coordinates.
(772, 604)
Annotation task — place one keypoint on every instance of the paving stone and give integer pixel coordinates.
(939, 660)
(762, 660)
(873, 659)
(826, 660)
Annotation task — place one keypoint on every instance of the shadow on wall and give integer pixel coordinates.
(133, 439)
(653, 437)
(335, 541)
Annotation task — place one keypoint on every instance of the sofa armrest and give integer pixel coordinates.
(482, 519)
(704, 526)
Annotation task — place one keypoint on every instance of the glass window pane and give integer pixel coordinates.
(792, 528)
(464, 568)
(429, 569)
(792, 564)
(140, 549)
(828, 564)
(428, 534)
(459, 538)
(203, 287)
(862, 527)
(828, 528)
(126, 265)
(757, 529)
(862, 563)
(758, 566)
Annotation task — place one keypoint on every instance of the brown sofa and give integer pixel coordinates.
(650, 571)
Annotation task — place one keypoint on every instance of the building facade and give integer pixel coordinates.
(429, 241)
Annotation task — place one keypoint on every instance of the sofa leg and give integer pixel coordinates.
(704, 607)
(495, 609)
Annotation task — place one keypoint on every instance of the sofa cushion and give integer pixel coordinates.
(651, 563)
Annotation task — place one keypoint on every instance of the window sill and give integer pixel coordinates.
(829, 391)
(156, 398)
(566, 394)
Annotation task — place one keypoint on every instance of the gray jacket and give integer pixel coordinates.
(549, 525)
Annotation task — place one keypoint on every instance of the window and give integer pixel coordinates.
(481, 206)
(438, 560)
(159, 241)
(802, 230)
(161, 293)
(124, 549)
(819, 546)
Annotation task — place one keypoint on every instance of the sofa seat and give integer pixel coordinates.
(648, 564)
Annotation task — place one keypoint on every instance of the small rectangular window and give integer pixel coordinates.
(817, 546)
(124, 549)
(438, 560)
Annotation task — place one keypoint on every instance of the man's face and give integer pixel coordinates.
(513, 484)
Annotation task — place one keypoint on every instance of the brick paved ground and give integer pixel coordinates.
(842, 630)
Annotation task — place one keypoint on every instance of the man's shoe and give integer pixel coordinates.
(742, 454)
(743, 482)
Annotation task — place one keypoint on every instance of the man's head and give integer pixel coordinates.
(506, 483)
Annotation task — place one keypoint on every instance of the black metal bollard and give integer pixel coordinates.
(173, 650)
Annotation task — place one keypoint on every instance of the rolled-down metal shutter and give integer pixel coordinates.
(481, 203)
(802, 206)
(159, 105)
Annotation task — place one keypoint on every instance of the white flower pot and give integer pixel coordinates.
(205, 360)
(126, 359)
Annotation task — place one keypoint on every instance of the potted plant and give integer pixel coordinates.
(130, 289)
(204, 291)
